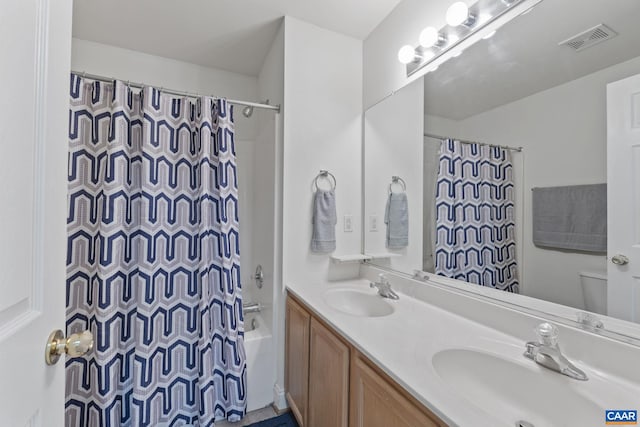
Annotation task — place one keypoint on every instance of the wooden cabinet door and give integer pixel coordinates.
(328, 378)
(376, 402)
(297, 360)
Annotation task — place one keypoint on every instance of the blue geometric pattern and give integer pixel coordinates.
(475, 228)
(153, 259)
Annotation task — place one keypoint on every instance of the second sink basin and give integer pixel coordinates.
(357, 303)
(511, 391)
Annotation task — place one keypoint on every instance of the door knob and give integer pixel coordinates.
(76, 345)
(620, 259)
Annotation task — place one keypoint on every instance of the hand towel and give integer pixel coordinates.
(396, 217)
(323, 236)
(571, 217)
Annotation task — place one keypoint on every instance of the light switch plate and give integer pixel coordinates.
(348, 223)
(373, 222)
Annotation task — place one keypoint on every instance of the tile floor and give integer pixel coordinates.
(251, 417)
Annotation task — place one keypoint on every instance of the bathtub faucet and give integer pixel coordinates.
(254, 307)
(546, 352)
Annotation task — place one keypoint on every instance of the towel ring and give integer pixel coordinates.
(397, 180)
(328, 176)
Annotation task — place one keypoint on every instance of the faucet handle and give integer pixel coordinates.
(547, 334)
(382, 278)
(589, 321)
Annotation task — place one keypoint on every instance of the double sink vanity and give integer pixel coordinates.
(427, 355)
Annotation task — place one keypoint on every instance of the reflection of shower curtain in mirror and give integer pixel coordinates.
(475, 228)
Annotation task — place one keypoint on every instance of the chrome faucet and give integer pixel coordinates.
(384, 287)
(546, 352)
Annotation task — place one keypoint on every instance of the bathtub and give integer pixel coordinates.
(259, 347)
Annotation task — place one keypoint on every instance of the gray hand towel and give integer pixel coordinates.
(396, 217)
(323, 236)
(571, 217)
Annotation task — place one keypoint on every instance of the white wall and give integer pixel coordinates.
(322, 130)
(563, 132)
(268, 164)
(393, 146)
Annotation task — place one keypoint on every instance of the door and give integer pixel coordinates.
(328, 378)
(297, 360)
(34, 72)
(375, 402)
(623, 204)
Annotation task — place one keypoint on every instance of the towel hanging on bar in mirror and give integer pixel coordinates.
(571, 217)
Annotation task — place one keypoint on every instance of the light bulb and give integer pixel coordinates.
(429, 37)
(457, 13)
(453, 38)
(491, 34)
(406, 54)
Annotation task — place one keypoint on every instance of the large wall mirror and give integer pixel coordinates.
(515, 119)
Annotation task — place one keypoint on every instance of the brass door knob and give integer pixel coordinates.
(76, 345)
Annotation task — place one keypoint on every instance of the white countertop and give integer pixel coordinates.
(404, 343)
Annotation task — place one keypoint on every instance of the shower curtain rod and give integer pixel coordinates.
(429, 135)
(276, 108)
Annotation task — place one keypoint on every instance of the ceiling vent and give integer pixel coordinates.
(589, 38)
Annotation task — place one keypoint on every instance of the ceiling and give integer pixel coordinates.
(524, 58)
(232, 35)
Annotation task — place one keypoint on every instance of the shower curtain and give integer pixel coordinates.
(475, 228)
(153, 262)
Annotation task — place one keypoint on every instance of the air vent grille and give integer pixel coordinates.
(589, 38)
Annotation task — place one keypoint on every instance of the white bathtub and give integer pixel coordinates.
(261, 374)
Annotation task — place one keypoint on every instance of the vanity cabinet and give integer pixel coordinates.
(331, 384)
(297, 360)
(317, 371)
(376, 401)
(328, 378)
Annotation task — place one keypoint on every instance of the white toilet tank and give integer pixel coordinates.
(594, 289)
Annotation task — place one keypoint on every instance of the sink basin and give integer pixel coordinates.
(358, 303)
(511, 392)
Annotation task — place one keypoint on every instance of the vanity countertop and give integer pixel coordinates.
(404, 343)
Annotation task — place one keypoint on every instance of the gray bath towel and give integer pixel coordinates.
(323, 236)
(571, 217)
(396, 217)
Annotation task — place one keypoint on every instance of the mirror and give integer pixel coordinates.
(531, 85)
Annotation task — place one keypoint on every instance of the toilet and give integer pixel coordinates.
(594, 289)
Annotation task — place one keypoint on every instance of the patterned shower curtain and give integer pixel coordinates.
(475, 228)
(153, 262)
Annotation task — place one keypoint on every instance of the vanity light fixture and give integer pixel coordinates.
(406, 54)
(430, 37)
(466, 24)
(458, 14)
